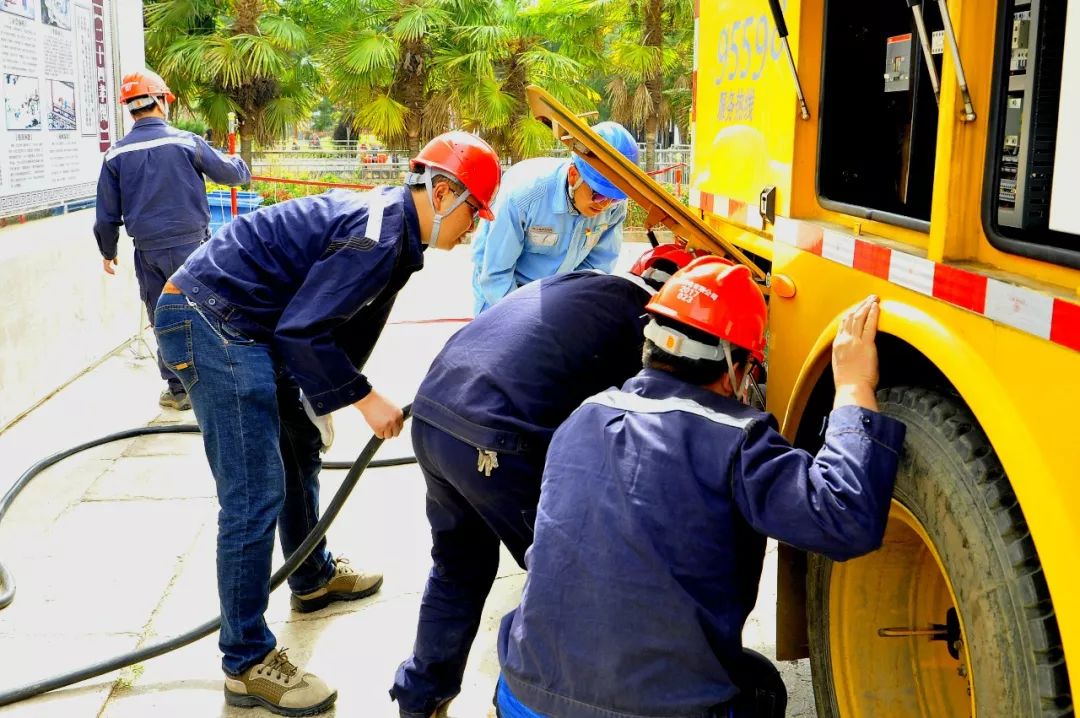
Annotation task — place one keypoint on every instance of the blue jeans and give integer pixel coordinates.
(264, 455)
(153, 267)
(469, 514)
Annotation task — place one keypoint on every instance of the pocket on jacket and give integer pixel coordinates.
(174, 343)
(541, 241)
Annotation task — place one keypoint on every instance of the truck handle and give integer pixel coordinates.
(781, 28)
(924, 41)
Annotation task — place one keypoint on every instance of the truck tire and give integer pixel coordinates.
(959, 567)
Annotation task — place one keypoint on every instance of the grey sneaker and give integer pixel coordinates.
(277, 685)
(169, 400)
(347, 584)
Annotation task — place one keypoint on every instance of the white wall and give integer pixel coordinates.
(59, 312)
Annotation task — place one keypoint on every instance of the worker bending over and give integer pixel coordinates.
(483, 418)
(553, 216)
(286, 299)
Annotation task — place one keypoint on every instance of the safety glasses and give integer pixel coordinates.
(598, 198)
(474, 211)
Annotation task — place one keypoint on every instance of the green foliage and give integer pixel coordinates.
(191, 124)
(407, 70)
(324, 117)
(635, 214)
(244, 56)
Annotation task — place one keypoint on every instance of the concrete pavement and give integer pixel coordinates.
(114, 548)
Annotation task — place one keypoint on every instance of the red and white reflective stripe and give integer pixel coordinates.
(1025, 309)
(736, 210)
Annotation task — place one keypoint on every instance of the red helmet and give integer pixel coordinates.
(144, 84)
(645, 266)
(469, 160)
(719, 298)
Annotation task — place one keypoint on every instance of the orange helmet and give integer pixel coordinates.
(469, 160)
(144, 83)
(717, 297)
(645, 266)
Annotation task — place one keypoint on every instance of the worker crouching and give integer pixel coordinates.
(655, 506)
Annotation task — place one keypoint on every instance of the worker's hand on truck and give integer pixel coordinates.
(384, 417)
(855, 358)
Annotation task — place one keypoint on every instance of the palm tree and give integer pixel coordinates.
(502, 46)
(244, 56)
(378, 57)
(651, 57)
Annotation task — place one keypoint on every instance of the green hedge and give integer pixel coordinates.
(274, 192)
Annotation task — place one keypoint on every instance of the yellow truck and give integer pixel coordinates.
(928, 153)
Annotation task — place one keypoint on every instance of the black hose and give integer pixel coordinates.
(356, 469)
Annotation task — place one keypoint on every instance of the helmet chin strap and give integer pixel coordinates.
(580, 181)
(739, 389)
(743, 389)
(163, 105)
(571, 189)
(437, 216)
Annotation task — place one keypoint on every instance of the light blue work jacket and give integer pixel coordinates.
(537, 233)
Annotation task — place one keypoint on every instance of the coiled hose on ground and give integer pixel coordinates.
(7, 581)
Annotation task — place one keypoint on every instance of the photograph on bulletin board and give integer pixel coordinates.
(62, 106)
(22, 8)
(22, 103)
(56, 13)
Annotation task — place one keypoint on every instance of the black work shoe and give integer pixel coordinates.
(169, 400)
(347, 584)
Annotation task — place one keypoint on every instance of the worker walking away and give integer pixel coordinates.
(656, 502)
(152, 182)
(291, 299)
(483, 418)
(553, 216)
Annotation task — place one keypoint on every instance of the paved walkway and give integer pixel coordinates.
(114, 548)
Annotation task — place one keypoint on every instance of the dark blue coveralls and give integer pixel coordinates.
(502, 385)
(152, 181)
(649, 544)
(289, 297)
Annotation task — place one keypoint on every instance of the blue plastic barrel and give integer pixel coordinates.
(220, 202)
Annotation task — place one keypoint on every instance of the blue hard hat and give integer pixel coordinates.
(618, 137)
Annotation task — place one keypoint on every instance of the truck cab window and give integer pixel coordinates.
(1037, 45)
(878, 125)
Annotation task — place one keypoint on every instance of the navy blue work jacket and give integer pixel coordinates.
(506, 380)
(152, 181)
(650, 536)
(314, 277)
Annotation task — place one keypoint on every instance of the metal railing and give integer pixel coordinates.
(388, 165)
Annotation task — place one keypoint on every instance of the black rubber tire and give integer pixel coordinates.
(951, 480)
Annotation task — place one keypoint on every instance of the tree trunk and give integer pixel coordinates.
(247, 16)
(654, 81)
(515, 84)
(247, 147)
(412, 84)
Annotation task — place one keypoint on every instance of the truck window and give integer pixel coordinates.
(1031, 159)
(878, 116)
